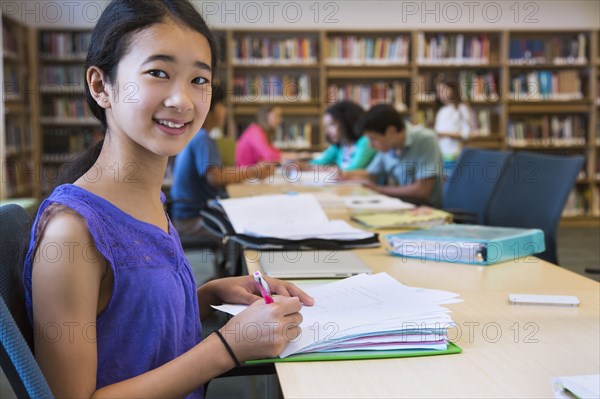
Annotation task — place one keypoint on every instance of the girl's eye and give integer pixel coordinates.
(158, 73)
(200, 80)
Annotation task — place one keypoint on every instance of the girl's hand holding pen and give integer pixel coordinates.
(273, 325)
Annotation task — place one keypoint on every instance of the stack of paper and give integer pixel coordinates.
(370, 312)
(293, 217)
(316, 176)
(418, 218)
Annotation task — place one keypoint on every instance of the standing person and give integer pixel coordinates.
(452, 121)
(408, 164)
(123, 293)
(348, 150)
(254, 144)
(199, 176)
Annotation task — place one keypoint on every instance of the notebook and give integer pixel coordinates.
(312, 264)
(463, 243)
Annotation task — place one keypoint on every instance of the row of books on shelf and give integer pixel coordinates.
(66, 107)
(294, 135)
(583, 202)
(15, 140)
(458, 49)
(547, 130)
(68, 141)
(11, 82)
(352, 50)
(557, 50)
(64, 44)
(267, 51)
(10, 41)
(563, 85)
(474, 86)
(481, 121)
(18, 177)
(273, 87)
(62, 75)
(368, 95)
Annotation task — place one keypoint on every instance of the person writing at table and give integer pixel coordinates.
(254, 144)
(124, 299)
(408, 164)
(348, 149)
(199, 176)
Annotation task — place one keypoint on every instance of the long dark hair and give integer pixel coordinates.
(347, 114)
(110, 42)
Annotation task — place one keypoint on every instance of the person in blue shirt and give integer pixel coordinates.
(408, 164)
(349, 150)
(199, 176)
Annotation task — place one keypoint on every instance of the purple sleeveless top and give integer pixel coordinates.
(152, 316)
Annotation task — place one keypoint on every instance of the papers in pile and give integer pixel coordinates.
(370, 312)
(293, 217)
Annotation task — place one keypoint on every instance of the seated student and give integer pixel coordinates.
(254, 144)
(198, 175)
(409, 156)
(348, 150)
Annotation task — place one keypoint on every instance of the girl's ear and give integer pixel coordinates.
(99, 88)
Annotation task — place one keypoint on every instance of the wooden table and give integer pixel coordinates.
(508, 350)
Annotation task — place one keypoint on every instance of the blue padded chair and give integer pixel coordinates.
(16, 357)
(532, 193)
(469, 189)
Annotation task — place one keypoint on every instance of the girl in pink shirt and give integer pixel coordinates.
(254, 146)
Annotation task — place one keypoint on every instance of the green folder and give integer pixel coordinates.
(358, 355)
(410, 219)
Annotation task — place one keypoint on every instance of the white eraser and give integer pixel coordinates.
(530, 299)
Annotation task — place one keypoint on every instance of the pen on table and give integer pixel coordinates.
(263, 287)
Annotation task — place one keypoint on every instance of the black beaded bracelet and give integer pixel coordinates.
(235, 359)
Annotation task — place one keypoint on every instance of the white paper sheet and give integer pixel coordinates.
(366, 304)
(581, 386)
(375, 203)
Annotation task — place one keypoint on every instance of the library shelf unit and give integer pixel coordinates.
(65, 122)
(19, 149)
(529, 90)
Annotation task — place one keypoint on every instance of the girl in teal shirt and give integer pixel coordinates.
(349, 150)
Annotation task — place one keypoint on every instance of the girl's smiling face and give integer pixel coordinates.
(162, 93)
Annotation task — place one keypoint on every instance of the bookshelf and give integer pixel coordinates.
(19, 151)
(529, 90)
(65, 122)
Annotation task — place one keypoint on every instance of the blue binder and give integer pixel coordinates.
(463, 243)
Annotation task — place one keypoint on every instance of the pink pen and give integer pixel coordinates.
(263, 287)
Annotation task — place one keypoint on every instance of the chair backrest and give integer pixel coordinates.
(470, 187)
(16, 357)
(226, 148)
(532, 194)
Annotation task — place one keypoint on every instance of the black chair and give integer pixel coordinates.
(16, 356)
(198, 243)
(532, 193)
(468, 191)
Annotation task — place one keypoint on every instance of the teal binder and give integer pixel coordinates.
(358, 355)
(463, 243)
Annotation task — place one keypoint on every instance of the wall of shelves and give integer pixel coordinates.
(529, 90)
(19, 151)
(66, 125)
